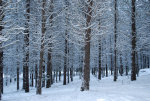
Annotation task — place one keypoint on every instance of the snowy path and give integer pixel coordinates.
(104, 90)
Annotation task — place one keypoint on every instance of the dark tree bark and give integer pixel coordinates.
(18, 77)
(32, 78)
(6, 76)
(143, 61)
(43, 76)
(36, 75)
(59, 74)
(121, 66)
(1, 71)
(106, 70)
(71, 73)
(39, 89)
(99, 70)
(68, 69)
(65, 62)
(51, 75)
(49, 67)
(86, 70)
(133, 54)
(66, 48)
(148, 61)
(68, 74)
(56, 75)
(111, 57)
(1, 52)
(49, 61)
(115, 38)
(111, 70)
(24, 77)
(81, 65)
(26, 49)
(126, 70)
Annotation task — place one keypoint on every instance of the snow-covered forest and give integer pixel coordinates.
(75, 50)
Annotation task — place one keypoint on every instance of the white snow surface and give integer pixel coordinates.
(100, 90)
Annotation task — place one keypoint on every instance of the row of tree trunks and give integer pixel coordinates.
(144, 61)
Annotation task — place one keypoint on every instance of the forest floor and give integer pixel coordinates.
(100, 90)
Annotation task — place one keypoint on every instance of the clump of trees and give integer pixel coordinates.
(43, 40)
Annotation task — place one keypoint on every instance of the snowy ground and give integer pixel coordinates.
(104, 90)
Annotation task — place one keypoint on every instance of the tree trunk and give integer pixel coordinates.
(49, 61)
(1, 71)
(26, 49)
(59, 74)
(49, 66)
(133, 54)
(121, 66)
(65, 62)
(111, 57)
(66, 43)
(71, 73)
(111, 65)
(115, 38)
(68, 73)
(32, 78)
(1, 53)
(99, 70)
(148, 61)
(126, 70)
(39, 89)
(43, 77)
(106, 70)
(24, 78)
(18, 77)
(86, 70)
(56, 75)
(36, 75)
